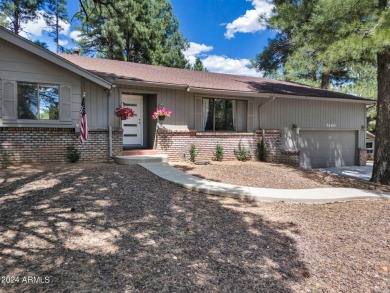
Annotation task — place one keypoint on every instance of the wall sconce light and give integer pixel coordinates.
(363, 127)
(294, 127)
(160, 106)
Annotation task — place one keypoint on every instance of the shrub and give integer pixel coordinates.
(193, 152)
(73, 154)
(242, 153)
(261, 151)
(218, 154)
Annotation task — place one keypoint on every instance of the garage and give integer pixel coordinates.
(322, 149)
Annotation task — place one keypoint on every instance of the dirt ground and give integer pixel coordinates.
(268, 175)
(111, 228)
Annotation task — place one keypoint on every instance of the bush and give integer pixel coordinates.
(242, 153)
(73, 154)
(261, 151)
(193, 153)
(218, 154)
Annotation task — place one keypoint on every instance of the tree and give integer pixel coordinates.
(56, 12)
(198, 66)
(289, 54)
(41, 44)
(18, 12)
(145, 32)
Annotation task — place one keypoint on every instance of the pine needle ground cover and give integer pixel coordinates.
(111, 228)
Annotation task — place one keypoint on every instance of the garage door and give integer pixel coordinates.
(321, 149)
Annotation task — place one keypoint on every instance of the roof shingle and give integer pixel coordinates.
(198, 79)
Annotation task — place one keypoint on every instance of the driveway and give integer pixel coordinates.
(354, 172)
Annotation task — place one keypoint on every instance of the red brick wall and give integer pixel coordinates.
(50, 144)
(176, 144)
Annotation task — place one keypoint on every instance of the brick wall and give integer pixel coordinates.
(50, 144)
(176, 144)
(362, 157)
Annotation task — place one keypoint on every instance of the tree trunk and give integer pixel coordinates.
(325, 81)
(381, 170)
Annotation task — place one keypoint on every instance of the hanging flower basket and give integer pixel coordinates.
(160, 114)
(124, 113)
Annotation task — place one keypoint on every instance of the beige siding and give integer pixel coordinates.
(282, 113)
(17, 64)
(96, 105)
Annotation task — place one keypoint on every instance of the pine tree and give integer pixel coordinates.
(145, 32)
(56, 12)
(18, 12)
(198, 66)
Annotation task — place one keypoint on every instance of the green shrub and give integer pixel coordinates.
(242, 153)
(5, 159)
(218, 154)
(193, 153)
(73, 154)
(261, 151)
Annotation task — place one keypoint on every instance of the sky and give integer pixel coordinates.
(224, 34)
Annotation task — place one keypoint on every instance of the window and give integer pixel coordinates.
(38, 101)
(370, 147)
(224, 115)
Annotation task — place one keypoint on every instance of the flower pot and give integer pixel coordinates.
(123, 118)
(161, 118)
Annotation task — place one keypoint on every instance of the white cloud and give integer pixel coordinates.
(219, 64)
(75, 35)
(38, 25)
(249, 22)
(62, 42)
(196, 50)
(223, 64)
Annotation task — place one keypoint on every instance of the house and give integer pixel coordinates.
(40, 97)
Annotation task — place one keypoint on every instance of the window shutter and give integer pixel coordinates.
(198, 114)
(250, 124)
(65, 103)
(9, 100)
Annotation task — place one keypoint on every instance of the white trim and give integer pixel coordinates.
(49, 56)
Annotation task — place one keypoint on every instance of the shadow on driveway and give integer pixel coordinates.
(354, 172)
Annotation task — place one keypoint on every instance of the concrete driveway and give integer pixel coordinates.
(354, 172)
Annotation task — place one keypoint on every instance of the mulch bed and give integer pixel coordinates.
(111, 228)
(268, 175)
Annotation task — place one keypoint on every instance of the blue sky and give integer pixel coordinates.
(225, 34)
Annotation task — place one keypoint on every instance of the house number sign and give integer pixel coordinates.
(330, 125)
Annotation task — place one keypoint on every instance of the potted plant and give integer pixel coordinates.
(161, 113)
(124, 113)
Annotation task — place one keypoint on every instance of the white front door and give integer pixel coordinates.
(132, 127)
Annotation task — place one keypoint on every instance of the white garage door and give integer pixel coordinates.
(322, 149)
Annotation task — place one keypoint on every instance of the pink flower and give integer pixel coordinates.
(161, 112)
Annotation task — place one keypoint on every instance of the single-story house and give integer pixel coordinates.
(41, 92)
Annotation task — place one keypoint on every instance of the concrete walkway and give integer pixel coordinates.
(317, 195)
(354, 172)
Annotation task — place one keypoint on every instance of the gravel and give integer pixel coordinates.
(267, 175)
(111, 228)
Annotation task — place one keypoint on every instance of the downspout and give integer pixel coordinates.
(108, 123)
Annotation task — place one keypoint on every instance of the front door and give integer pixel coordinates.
(132, 127)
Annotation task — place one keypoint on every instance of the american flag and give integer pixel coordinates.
(83, 122)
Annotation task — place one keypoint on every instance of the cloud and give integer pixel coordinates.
(223, 64)
(37, 26)
(75, 35)
(62, 42)
(196, 50)
(249, 22)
